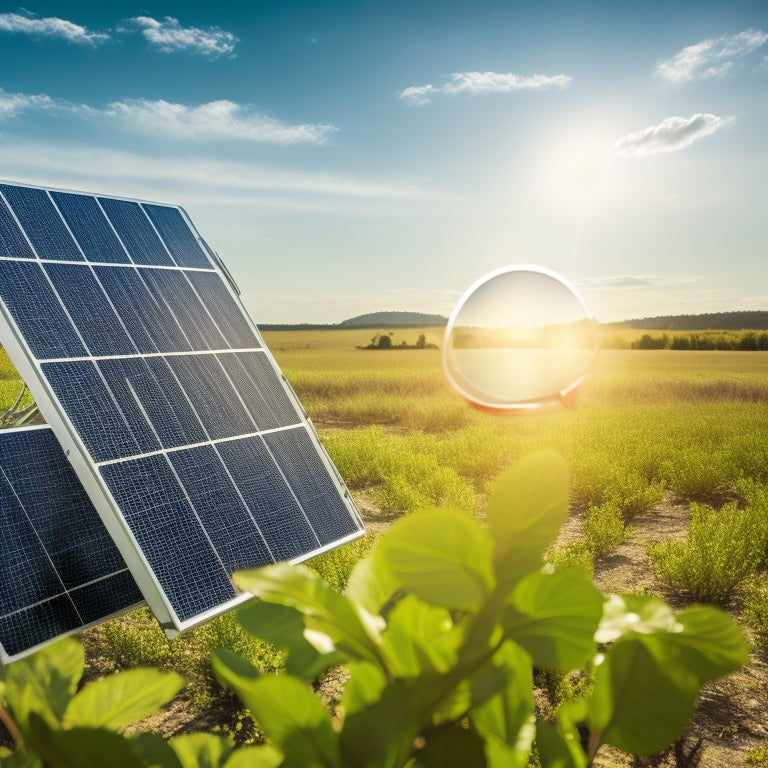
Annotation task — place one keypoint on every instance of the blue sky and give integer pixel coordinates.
(349, 157)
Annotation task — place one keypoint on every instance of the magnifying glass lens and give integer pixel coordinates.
(519, 338)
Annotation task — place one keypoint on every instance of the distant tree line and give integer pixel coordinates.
(745, 340)
(712, 321)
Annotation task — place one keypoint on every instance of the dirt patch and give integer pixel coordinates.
(731, 716)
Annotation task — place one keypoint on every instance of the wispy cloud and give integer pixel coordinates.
(481, 83)
(212, 121)
(710, 58)
(169, 36)
(669, 135)
(51, 27)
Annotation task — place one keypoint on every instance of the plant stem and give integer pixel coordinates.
(7, 721)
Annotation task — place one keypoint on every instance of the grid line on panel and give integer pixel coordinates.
(192, 435)
(59, 569)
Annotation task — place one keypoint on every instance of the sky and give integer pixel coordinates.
(352, 157)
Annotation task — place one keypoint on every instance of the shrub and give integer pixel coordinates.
(604, 528)
(723, 547)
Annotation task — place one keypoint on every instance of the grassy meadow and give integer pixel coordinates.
(650, 427)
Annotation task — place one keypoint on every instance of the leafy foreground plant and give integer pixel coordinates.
(440, 630)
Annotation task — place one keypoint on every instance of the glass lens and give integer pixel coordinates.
(518, 338)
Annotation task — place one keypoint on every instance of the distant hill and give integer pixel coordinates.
(712, 321)
(390, 319)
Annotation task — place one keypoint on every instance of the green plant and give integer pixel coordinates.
(723, 547)
(755, 611)
(440, 630)
(604, 528)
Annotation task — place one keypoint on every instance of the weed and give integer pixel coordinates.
(723, 547)
(604, 528)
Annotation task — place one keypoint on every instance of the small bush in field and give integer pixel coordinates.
(723, 547)
(755, 611)
(604, 528)
(575, 556)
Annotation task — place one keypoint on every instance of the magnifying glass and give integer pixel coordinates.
(520, 338)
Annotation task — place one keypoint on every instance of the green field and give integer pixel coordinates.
(652, 427)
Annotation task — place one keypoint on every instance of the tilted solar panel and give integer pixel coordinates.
(60, 571)
(191, 444)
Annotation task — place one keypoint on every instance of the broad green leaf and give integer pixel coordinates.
(507, 719)
(382, 733)
(284, 627)
(554, 617)
(44, 682)
(471, 688)
(625, 615)
(558, 749)
(416, 638)
(711, 644)
(285, 707)
(324, 609)
(201, 750)
(10, 759)
(639, 704)
(365, 685)
(264, 756)
(371, 584)
(80, 747)
(154, 751)
(452, 746)
(527, 507)
(122, 698)
(442, 556)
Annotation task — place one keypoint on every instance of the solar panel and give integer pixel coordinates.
(59, 569)
(191, 444)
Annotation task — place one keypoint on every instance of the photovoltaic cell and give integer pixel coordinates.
(193, 448)
(59, 569)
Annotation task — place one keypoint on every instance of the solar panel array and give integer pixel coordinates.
(191, 444)
(59, 569)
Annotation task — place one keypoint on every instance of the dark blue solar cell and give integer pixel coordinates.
(41, 222)
(151, 399)
(177, 236)
(36, 310)
(136, 232)
(169, 534)
(12, 241)
(179, 425)
(224, 310)
(100, 599)
(92, 408)
(257, 383)
(214, 400)
(90, 227)
(90, 310)
(171, 286)
(53, 547)
(58, 507)
(311, 483)
(272, 505)
(26, 572)
(37, 624)
(146, 317)
(231, 528)
(138, 397)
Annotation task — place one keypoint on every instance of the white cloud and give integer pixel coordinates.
(51, 27)
(710, 58)
(482, 83)
(228, 181)
(15, 104)
(169, 36)
(212, 121)
(669, 135)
